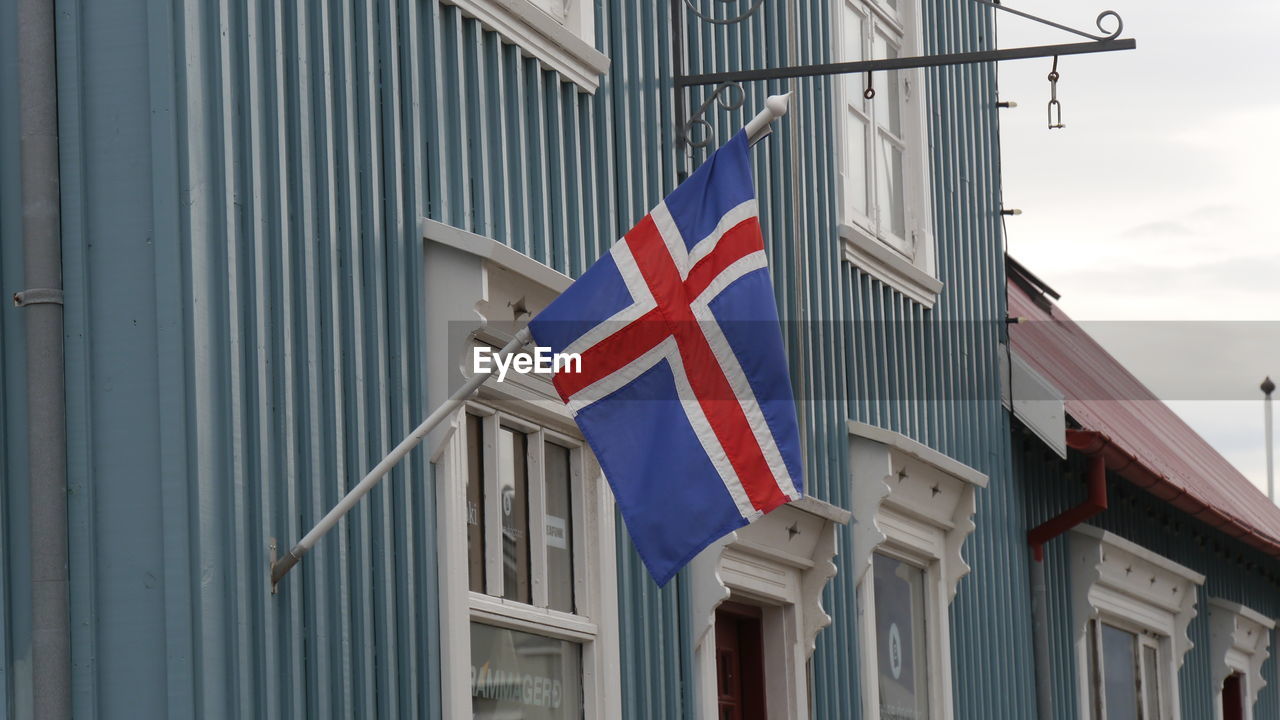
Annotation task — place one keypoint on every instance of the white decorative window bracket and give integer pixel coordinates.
(478, 289)
(864, 251)
(1239, 641)
(783, 561)
(481, 291)
(893, 472)
(568, 46)
(1120, 579)
(800, 535)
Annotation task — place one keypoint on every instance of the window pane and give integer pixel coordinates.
(475, 503)
(559, 528)
(903, 658)
(520, 675)
(888, 100)
(514, 488)
(891, 194)
(856, 164)
(854, 33)
(1120, 677)
(1151, 682)
(554, 8)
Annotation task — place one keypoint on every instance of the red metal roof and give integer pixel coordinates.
(1141, 437)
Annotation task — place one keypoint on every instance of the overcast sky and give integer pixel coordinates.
(1157, 204)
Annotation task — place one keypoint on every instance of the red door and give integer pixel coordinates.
(1233, 698)
(740, 662)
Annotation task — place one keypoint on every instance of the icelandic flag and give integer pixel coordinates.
(683, 392)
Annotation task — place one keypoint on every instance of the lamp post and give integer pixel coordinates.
(1267, 388)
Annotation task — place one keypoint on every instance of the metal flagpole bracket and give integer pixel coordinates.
(37, 296)
(696, 131)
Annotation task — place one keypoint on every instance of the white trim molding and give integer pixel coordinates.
(781, 562)
(480, 291)
(915, 505)
(566, 44)
(1239, 642)
(865, 252)
(903, 258)
(1121, 583)
(892, 471)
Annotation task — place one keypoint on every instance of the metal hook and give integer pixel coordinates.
(1055, 107)
(870, 92)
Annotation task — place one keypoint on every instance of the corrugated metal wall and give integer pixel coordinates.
(1233, 571)
(241, 187)
(866, 352)
(242, 192)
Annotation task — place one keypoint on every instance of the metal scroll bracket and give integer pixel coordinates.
(697, 132)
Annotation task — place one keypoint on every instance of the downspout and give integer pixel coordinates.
(46, 407)
(1095, 503)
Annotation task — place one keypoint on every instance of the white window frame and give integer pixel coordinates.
(916, 505)
(906, 264)
(1239, 642)
(1145, 639)
(473, 284)
(1120, 583)
(566, 44)
(781, 563)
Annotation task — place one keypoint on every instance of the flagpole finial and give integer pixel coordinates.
(774, 107)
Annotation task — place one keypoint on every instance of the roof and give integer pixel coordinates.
(1143, 439)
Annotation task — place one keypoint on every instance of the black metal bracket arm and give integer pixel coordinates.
(730, 95)
(860, 66)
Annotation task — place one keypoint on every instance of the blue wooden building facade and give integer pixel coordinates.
(279, 220)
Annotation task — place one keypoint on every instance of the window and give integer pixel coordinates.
(524, 499)
(1125, 673)
(525, 526)
(913, 509)
(885, 211)
(901, 631)
(1132, 608)
(1239, 641)
(520, 510)
(560, 33)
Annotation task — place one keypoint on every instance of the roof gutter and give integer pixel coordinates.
(1131, 468)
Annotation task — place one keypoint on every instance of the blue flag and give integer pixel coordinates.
(682, 391)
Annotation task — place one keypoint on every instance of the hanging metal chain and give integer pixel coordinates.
(1055, 107)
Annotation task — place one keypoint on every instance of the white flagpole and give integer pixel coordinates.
(759, 127)
(775, 106)
(393, 458)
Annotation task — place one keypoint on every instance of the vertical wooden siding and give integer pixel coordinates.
(242, 183)
(245, 306)
(1232, 570)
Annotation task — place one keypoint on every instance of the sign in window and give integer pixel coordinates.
(521, 675)
(900, 639)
